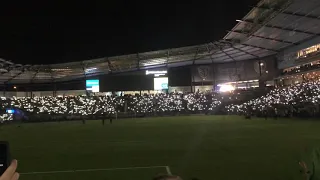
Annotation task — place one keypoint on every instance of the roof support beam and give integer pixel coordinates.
(217, 46)
(232, 59)
(228, 55)
(281, 28)
(244, 44)
(84, 67)
(13, 77)
(221, 49)
(287, 12)
(246, 52)
(195, 56)
(262, 37)
(260, 68)
(258, 57)
(272, 50)
(168, 57)
(239, 49)
(138, 62)
(6, 62)
(34, 76)
(110, 65)
(210, 47)
(52, 76)
(8, 70)
(209, 50)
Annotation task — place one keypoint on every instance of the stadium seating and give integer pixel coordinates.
(296, 100)
(94, 106)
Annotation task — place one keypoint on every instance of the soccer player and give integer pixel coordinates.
(265, 112)
(110, 118)
(275, 113)
(103, 117)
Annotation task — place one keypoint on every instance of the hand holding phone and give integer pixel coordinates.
(7, 170)
(10, 173)
(4, 157)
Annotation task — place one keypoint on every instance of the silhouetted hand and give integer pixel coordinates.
(304, 170)
(10, 173)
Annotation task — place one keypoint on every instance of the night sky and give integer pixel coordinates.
(43, 33)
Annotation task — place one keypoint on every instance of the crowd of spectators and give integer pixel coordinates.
(296, 100)
(301, 100)
(92, 106)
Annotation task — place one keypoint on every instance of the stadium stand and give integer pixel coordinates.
(296, 100)
(94, 107)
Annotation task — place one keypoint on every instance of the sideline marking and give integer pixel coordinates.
(93, 170)
(168, 170)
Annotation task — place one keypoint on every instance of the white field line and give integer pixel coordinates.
(168, 170)
(85, 142)
(93, 170)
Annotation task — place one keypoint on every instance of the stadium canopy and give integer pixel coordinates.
(268, 28)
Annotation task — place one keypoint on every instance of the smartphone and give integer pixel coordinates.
(4, 156)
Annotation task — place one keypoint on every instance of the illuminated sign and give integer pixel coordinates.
(92, 85)
(156, 72)
(160, 83)
(303, 53)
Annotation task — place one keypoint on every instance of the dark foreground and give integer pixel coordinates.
(206, 147)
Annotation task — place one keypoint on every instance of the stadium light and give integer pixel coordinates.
(155, 72)
(91, 69)
(157, 75)
(226, 88)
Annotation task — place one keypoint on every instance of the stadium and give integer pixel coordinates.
(243, 107)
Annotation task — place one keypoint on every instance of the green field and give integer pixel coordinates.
(206, 147)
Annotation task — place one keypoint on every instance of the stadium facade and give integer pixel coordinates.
(276, 43)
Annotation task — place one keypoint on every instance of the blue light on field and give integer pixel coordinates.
(10, 111)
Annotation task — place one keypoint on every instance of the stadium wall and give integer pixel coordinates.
(41, 93)
(54, 86)
(203, 88)
(126, 83)
(235, 71)
(179, 89)
(180, 76)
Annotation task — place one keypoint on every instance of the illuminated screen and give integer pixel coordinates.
(92, 85)
(160, 83)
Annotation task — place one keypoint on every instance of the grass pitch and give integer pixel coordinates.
(206, 147)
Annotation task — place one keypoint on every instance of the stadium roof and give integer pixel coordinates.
(268, 28)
